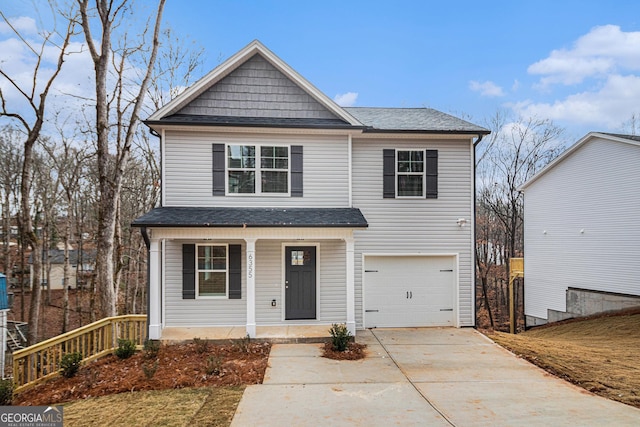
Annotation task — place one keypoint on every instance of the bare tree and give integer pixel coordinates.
(126, 103)
(11, 164)
(515, 151)
(31, 120)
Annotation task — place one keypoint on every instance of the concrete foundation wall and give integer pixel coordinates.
(583, 302)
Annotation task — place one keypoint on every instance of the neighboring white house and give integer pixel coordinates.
(280, 207)
(582, 231)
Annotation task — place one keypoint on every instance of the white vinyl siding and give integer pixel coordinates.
(581, 226)
(331, 289)
(413, 226)
(188, 170)
(198, 312)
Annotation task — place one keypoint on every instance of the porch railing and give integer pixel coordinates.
(41, 361)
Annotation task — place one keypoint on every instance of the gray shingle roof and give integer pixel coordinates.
(56, 256)
(621, 135)
(412, 119)
(251, 217)
(201, 120)
(374, 120)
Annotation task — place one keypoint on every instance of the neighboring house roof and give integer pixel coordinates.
(56, 256)
(412, 119)
(613, 137)
(251, 217)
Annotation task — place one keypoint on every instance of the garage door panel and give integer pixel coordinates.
(409, 291)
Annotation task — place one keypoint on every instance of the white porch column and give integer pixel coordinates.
(155, 293)
(251, 286)
(351, 285)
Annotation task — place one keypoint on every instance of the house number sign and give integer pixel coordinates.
(250, 266)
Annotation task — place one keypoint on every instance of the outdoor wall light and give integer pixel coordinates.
(273, 303)
(461, 222)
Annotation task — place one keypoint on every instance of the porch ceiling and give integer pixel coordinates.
(252, 217)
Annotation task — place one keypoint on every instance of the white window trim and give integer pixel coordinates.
(197, 271)
(257, 170)
(423, 173)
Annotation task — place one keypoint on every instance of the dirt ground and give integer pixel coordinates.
(51, 314)
(599, 354)
(175, 367)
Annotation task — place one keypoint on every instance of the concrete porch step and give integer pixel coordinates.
(290, 334)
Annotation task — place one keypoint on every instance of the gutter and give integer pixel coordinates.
(147, 243)
(475, 231)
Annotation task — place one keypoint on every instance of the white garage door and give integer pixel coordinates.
(403, 291)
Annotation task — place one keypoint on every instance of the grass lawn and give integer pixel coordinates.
(205, 406)
(599, 354)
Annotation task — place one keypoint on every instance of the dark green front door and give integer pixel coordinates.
(300, 282)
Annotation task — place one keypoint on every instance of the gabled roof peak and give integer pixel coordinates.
(235, 61)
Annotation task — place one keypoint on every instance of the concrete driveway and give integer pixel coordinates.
(419, 376)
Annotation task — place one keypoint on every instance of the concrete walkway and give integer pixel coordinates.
(419, 376)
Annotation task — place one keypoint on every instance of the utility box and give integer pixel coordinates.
(4, 296)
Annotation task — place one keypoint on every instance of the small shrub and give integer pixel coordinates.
(214, 365)
(242, 345)
(340, 336)
(202, 346)
(151, 349)
(150, 369)
(6, 392)
(126, 348)
(70, 363)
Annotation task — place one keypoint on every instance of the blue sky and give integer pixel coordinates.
(576, 62)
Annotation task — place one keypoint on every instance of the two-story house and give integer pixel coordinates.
(281, 208)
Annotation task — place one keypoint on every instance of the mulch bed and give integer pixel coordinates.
(354, 351)
(178, 366)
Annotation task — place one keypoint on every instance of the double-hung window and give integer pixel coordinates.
(212, 267)
(410, 175)
(255, 169)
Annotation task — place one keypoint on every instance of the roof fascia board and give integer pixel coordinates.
(157, 126)
(569, 151)
(234, 62)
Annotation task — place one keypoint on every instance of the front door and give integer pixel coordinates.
(300, 282)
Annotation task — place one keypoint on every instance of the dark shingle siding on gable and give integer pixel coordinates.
(257, 89)
(411, 119)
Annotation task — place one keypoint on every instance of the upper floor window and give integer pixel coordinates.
(410, 173)
(255, 169)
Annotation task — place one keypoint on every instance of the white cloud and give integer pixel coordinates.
(346, 99)
(608, 107)
(487, 88)
(604, 50)
(22, 24)
(515, 86)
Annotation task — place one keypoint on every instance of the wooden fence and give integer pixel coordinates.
(41, 361)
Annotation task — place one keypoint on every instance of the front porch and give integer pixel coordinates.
(290, 273)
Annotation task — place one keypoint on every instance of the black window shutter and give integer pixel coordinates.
(296, 171)
(188, 271)
(235, 272)
(389, 173)
(431, 170)
(218, 169)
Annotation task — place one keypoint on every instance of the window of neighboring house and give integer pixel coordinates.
(212, 266)
(255, 169)
(410, 174)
